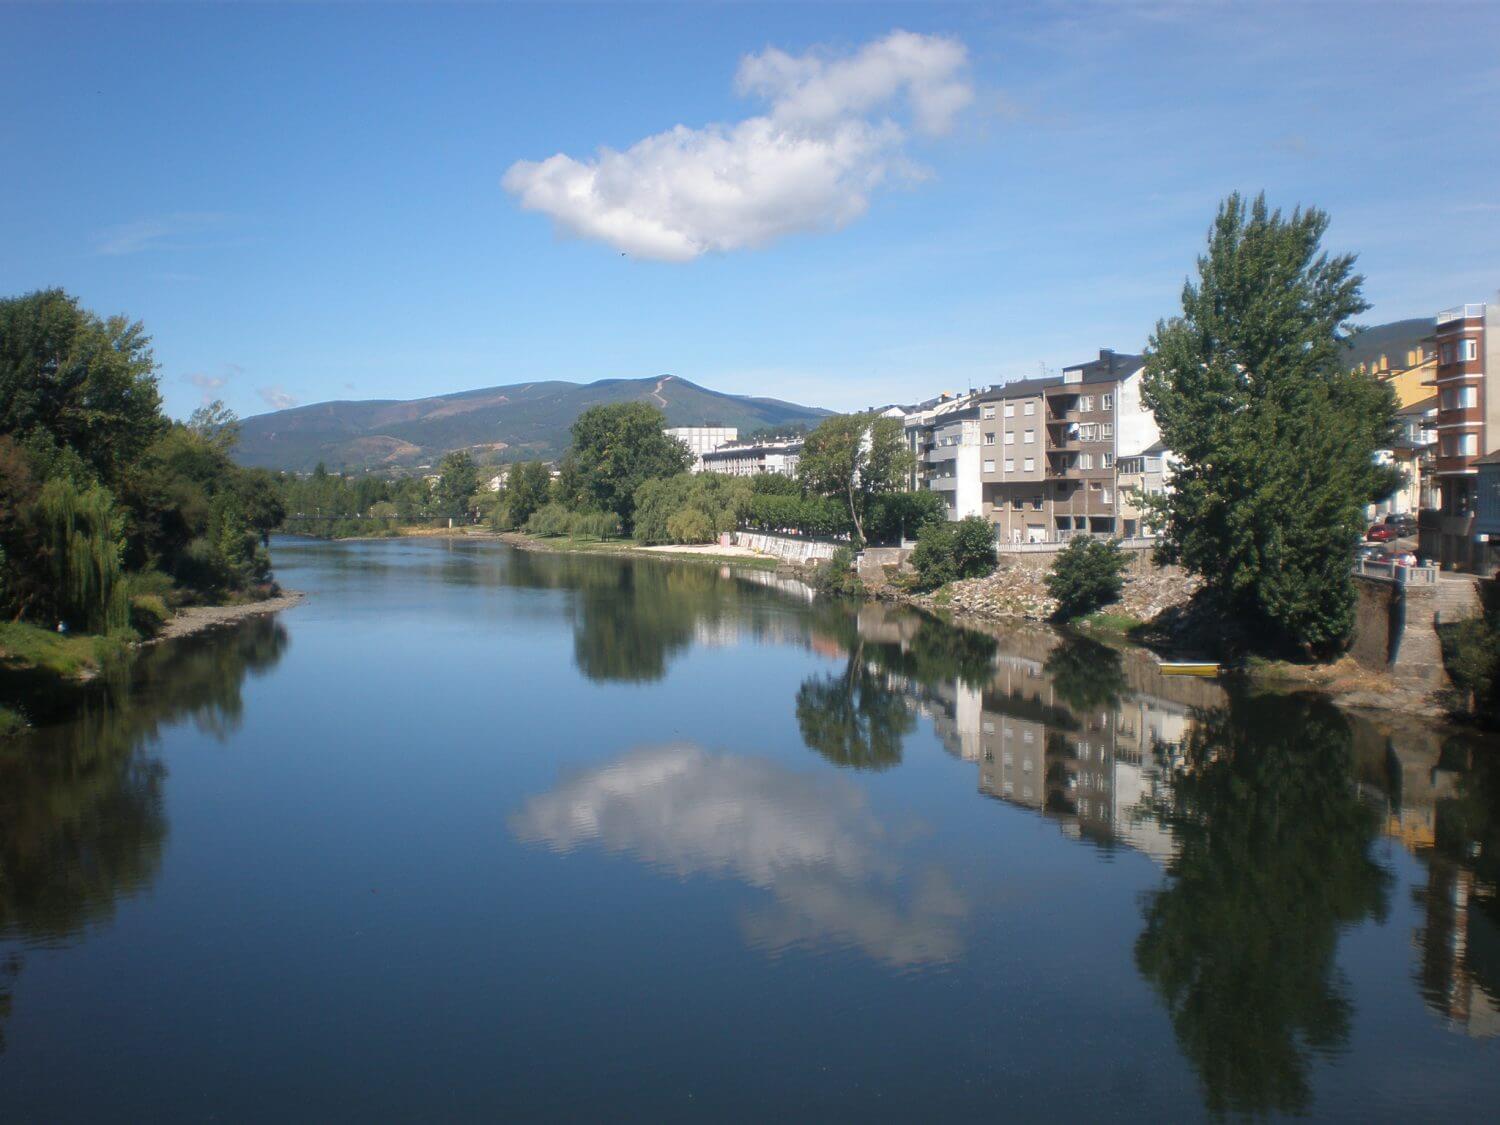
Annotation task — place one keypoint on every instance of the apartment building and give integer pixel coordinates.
(702, 439)
(1466, 341)
(751, 458)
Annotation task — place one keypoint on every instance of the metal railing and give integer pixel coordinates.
(1397, 572)
(1460, 312)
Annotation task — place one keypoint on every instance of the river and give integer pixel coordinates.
(477, 832)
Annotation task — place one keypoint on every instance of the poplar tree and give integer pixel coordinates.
(1272, 432)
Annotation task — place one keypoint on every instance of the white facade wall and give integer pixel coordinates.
(702, 439)
(1135, 426)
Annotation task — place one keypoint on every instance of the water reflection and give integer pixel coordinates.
(82, 822)
(834, 871)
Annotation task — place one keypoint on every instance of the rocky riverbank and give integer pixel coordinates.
(198, 618)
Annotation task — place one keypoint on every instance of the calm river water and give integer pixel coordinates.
(478, 833)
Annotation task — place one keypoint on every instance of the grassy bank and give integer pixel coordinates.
(36, 661)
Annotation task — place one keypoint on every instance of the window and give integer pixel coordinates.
(1010, 437)
(1108, 497)
(1106, 460)
(1085, 460)
(1106, 402)
(1086, 403)
(1468, 350)
(1016, 503)
(1010, 464)
(1468, 445)
(1010, 410)
(1030, 408)
(1036, 503)
(989, 466)
(1093, 486)
(1107, 430)
(989, 412)
(1447, 355)
(1089, 431)
(1029, 465)
(1029, 437)
(989, 439)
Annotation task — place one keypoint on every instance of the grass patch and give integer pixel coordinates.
(63, 654)
(1109, 624)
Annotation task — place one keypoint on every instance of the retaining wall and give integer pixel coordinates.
(788, 548)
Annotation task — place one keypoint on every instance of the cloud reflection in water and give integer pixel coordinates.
(830, 865)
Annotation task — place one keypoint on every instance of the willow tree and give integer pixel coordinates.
(83, 542)
(1273, 434)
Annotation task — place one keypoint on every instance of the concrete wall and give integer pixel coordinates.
(1395, 627)
(787, 547)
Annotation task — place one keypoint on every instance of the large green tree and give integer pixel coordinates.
(74, 385)
(854, 457)
(1273, 434)
(527, 487)
(457, 481)
(616, 449)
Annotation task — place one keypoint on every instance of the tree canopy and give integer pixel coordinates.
(617, 448)
(854, 457)
(1273, 434)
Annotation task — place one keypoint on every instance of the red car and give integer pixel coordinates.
(1380, 533)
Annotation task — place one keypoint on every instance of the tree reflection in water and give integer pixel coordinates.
(1274, 860)
(81, 817)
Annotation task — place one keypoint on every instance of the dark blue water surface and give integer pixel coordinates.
(477, 833)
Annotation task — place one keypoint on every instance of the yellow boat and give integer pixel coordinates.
(1206, 668)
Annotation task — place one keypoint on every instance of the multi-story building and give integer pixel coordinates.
(751, 458)
(703, 439)
(1049, 452)
(1467, 344)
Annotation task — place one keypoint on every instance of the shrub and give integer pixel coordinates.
(550, 520)
(836, 576)
(948, 551)
(690, 526)
(594, 525)
(1471, 652)
(895, 516)
(148, 613)
(1085, 575)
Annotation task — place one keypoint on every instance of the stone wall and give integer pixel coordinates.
(1395, 626)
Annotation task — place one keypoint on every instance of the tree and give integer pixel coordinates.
(617, 448)
(1273, 434)
(947, 551)
(527, 487)
(1087, 574)
(72, 382)
(457, 481)
(854, 457)
(216, 424)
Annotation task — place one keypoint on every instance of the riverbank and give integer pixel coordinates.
(716, 553)
(34, 660)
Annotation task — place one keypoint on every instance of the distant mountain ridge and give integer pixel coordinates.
(520, 421)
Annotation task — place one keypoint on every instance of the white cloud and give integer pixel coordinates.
(828, 863)
(831, 136)
(276, 398)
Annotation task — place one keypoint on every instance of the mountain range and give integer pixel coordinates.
(521, 421)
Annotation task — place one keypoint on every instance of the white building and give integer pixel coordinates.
(703, 439)
(748, 459)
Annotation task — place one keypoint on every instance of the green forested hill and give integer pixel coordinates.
(525, 420)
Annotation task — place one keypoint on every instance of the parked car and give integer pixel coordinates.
(1403, 524)
(1369, 552)
(1397, 558)
(1381, 533)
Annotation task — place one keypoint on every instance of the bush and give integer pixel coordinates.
(895, 516)
(836, 577)
(950, 551)
(1086, 575)
(148, 613)
(690, 526)
(550, 520)
(1471, 653)
(594, 525)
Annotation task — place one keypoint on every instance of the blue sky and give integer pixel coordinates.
(307, 203)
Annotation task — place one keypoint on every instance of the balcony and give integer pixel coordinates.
(1460, 312)
(942, 453)
(942, 484)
